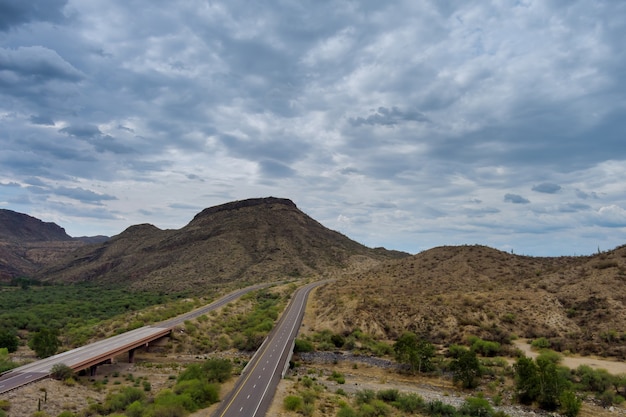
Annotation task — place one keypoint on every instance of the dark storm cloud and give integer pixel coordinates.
(547, 188)
(85, 131)
(574, 207)
(515, 199)
(283, 149)
(41, 120)
(17, 12)
(389, 117)
(37, 63)
(274, 169)
(81, 194)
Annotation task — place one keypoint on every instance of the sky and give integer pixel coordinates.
(403, 124)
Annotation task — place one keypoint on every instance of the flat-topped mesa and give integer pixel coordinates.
(251, 202)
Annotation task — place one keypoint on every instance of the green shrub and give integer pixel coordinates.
(200, 392)
(302, 345)
(476, 407)
(337, 377)
(541, 343)
(409, 403)
(293, 403)
(346, 411)
(570, 404)
(61, 371)
(119, 401)
(217, 370)
(5, 405)
(388, 395)
(365, 396)
(484, 347)
(438, 408)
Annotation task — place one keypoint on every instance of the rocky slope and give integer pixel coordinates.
(265, 239)
(27, 244)
(449, 293)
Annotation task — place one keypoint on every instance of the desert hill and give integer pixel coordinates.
(449, 293)
(27, 243)
(264, 239)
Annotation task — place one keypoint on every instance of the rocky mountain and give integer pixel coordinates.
(27, 244)
(264, 239)
(449, 293)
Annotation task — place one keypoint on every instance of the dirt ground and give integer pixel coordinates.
(612, 366)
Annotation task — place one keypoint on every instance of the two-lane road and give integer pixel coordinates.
(255, 389)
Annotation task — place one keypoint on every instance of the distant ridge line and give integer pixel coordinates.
(251, 202)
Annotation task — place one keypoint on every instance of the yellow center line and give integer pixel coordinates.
(245, 380)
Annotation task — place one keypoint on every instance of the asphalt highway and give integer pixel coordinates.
(253, 393)
(98, 352)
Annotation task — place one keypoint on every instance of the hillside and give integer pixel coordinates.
(449, 293)
(27, 244)
(265, 239)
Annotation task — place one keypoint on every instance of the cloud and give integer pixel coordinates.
(389, 117)
(16, 12)
(274, 169)
(515, 199)
(611, 216)
(83, 195)
(547, 188)
(85, 131)
(41, 120)
(37, 63)
(410, 118)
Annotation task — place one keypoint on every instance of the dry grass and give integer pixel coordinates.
(449, 293)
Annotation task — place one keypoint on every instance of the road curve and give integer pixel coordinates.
(97, 352)
(253, 392)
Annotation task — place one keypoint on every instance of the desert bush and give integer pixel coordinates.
(570, 404)
(201, 393)
(388, 395)
(122, 399)
(409, 403)
(61, 372)
(541, 343)
(217, 370)
(476, 407)
(302, 345)
(364, 396)
(484, 347)
(293, 403)
(593, 380)
(438, 408)
(346, 411)
(337, 377)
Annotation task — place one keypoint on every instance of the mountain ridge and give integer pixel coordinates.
(248, 240)
(27, 244)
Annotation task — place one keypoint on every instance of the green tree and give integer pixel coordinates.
(45, 342)
(5, 361)
(466, 369)
(217, 370)
(540, 381)
(526, 380)
(9, 340)
(551, 384)
(415, 352)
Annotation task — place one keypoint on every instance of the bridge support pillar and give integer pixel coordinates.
(92, 370)
(131, 356)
